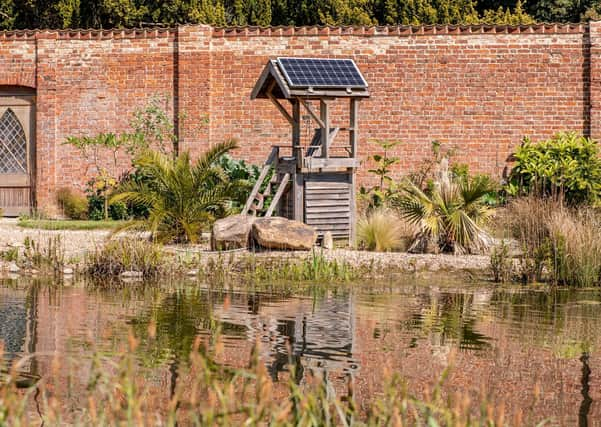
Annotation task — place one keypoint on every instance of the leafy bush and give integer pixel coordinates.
(451, 216)
(567, 165)
(245, 175)
(382, 230)
(74, 206)
(182, 198)
(127, 254)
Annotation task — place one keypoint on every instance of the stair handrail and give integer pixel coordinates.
(264, 171)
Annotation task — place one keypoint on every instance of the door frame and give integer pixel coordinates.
(22, 97)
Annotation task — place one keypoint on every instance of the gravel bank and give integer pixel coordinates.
(77, 243)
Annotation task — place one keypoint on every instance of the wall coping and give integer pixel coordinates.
(254, 31)
(401, 30)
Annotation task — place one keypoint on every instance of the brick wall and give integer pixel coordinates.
(476, 89)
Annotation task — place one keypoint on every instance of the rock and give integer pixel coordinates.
(281, 233)
(192, 273)
(131, 274)
(13, 268)
(232, 232)
(328, 240)
(68, 271)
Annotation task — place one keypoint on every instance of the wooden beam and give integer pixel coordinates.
(278, 195)
(277, 103)
(353, 140)
(311, 111)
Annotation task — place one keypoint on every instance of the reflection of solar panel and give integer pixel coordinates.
(321, 73)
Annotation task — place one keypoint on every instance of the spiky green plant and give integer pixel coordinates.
(182, 197)
(452, 215)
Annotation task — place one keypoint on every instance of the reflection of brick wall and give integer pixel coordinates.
(479, 89)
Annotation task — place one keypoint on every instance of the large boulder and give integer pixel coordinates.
(232, 232)
(281, 233)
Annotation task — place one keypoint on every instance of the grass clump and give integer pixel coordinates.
(121, 255)
(48, 256)
(315, 268)
(559, 243)
(382, 230)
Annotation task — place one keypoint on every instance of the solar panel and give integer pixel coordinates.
(321, 73)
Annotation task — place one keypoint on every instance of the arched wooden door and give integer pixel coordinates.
(17, 148)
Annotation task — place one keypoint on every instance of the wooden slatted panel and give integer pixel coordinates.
(14, 200)
(327, 203)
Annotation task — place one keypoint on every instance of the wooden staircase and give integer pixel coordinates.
(256, 200)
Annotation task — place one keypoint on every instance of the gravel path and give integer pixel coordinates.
(77, 243)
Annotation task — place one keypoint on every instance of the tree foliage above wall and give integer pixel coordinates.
(19, 14)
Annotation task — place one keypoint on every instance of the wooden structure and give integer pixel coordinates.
(315, 179)
(17, 151)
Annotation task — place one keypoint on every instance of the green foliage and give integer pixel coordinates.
(377, 196)
(501, 263)
(245, 175)
(46, 256)
(182, 198)
(382, 230)
(451, 215)
(16, 14)
(125, 254)
(567, 165)
(74, 206)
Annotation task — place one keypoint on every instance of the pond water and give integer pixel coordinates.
(534, 350)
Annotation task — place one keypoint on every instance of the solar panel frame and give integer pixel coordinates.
(309, 73)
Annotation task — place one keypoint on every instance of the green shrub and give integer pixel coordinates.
(382, 230)
(182, 197)
(567, 165)
(74, 206)
(126, 254)
(452, 215)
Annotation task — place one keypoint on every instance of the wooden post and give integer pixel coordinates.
(353, 126)
(299, 207)
(353, 134)
(325, 129)
(297, 151)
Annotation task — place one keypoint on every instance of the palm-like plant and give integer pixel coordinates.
(182, 198)
(452, 215)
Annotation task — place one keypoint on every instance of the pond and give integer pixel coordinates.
(534, 351)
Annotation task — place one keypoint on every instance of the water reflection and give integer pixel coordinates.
(536, 351)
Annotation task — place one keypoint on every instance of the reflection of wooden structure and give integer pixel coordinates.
(315, 182)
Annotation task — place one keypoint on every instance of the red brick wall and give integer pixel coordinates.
(476, 89)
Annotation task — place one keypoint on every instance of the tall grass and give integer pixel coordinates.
(382, 230)
(122, 255)
(205, 393)
(314, 268)
(561, 241)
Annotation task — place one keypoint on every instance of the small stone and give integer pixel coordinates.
(328, 240)
(13, 268)
(67, 271)
(131, 274)
(192, 273)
